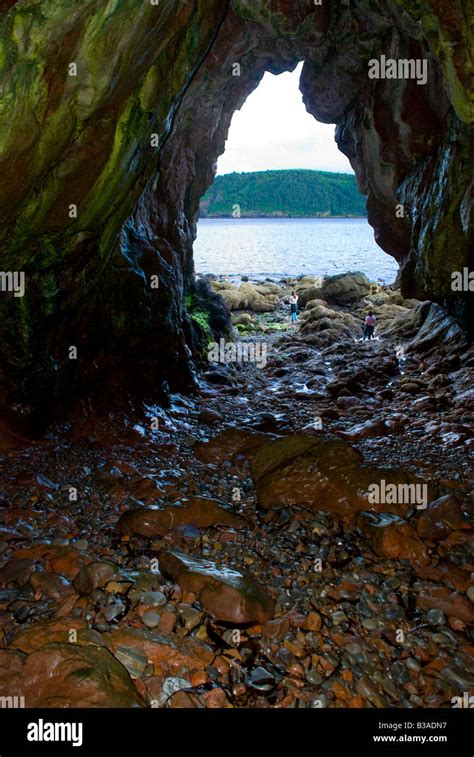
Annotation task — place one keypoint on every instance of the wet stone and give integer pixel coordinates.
(262, 680)
(151, 619)
(313, 677)
(436, 617)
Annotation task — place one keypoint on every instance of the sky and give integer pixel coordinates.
(274, 131)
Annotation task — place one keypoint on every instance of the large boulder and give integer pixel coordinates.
(67, 675)
(328, 475)
(347, 288)
(258, 298)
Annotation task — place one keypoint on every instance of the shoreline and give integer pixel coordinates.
(279, 217)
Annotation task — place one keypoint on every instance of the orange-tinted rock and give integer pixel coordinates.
(201, 512)
(66, 561)
(447, 573)
(45, 632)
(313, 622)
(17, 571)
(56, 587)
(322, 475)
(169, 655)
(215, 698)
(226, 594)
(441, 517)
(449, 602)
(392, 537)
(231, 444)
(67, 675)
(94, 576)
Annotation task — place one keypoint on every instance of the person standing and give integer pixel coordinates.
(293, 307)
(369, 326)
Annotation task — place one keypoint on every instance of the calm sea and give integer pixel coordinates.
(279, 247)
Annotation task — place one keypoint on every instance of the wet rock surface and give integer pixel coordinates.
(224, 579)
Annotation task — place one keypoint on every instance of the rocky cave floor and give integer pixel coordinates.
(331, 610)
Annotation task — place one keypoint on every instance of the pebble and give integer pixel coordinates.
(312, 676)
(369, 624)
(190, 616)
(338, 618)
(413, 664)
(262, 680)
(153, 598)
(151, 619)
(436, 617)
(400, 672)
(113, 611)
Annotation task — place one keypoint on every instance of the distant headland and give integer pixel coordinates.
(292, 193)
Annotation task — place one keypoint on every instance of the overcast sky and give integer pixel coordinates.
(273, 130)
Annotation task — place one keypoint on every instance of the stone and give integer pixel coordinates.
(346, 288)
(171, 685)
(262, 680)
(313, 621)
(320, 475)
(436, 617)
(77, 676)
(366, 689)
(243, 319)
(250, 297)
(151, 619)
(153, 598)
(231, 444)
(17, 571)
(56, 587)
(207, 415)
(169, 654)
(94, 576)
(190, 617)
(201, 512)
(61, 630)
(452, 603)
(62, 560)
(392, 537)
(226, 594)
(441, 517)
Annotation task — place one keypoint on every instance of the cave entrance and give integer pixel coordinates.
(284, 202)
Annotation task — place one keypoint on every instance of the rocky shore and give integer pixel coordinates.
(225, 551)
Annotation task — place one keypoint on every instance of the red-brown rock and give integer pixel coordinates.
(226, 594)
(201, 512)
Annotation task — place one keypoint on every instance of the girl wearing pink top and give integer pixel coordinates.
(369, 326)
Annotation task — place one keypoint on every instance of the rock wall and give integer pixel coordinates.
(104, 161)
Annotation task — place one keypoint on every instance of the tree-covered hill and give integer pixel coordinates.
(290, 193)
